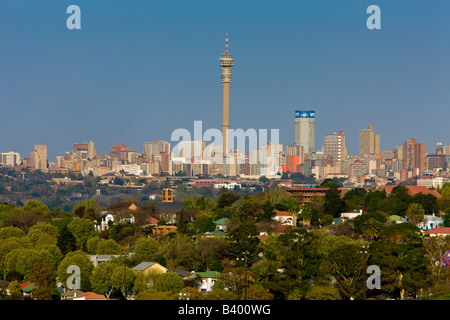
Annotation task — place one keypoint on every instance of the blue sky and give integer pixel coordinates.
(137, 70)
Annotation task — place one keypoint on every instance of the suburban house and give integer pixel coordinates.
(90, 296)
(150, 268)
(413, 190)
(71, 294)
(397, 219)
(108, 218)
(163, 230)
(439, 231)
(221, 224)
(430, 222)
(207, 280)
(351, 215)
(99, 258)
(168, 211)
(285, 217)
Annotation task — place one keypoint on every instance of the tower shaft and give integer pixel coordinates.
(226, 117)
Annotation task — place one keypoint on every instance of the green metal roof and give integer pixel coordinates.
(208, 274)
(221, 221)
(30, 287)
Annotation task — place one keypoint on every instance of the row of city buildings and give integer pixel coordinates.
(191, 158)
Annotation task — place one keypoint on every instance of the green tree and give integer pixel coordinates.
(6, 246)
(360, 222)
(204, 224)
(298, 256)
(398, 201)
(333, 203)
(323, 292)
(101, 278)
(82, 229)
(169, 281)
(123, 278)
(15, 290)
(86, 207)
(429, 202)
(80, 259)
(446, 218)
(36, 207)
(41, 228)
(145, 249)
(372, 227)
(244, 243)
(415, 212)
(181, 224)
(258, 292)
(348, 266)
(355, 198)
(66, 240)
(43, 276)
(10, 232)
(227, 198)
(400, 254)
(22, 260)
(156, 295)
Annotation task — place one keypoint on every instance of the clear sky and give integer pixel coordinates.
(137, 70)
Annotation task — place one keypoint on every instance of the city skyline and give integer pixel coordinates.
(133, 76)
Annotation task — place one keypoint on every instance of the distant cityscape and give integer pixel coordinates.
(372, 167)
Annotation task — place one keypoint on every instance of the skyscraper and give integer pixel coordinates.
(369, 142)
(305, 130)
(38, 157)
(156, 148)
(334, 145)
(414, 154)
(226, 62)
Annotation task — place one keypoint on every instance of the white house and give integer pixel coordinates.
(351, 215)
(285, 217)
(430, 221)
(111, 217)
(207, 280)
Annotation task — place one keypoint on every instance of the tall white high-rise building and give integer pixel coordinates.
(334, 145)
(305, 130)
(10, 158)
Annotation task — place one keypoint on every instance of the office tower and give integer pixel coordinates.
(334, 145)
(91, 150)
(38, 157)
(84, 151)
(435, 161)
(120, 151)
(414, 154)
(369, 142)
(156, 148)
(226, 62)
(305, 130)
(10, 158)
(439, 148)
(293, 158)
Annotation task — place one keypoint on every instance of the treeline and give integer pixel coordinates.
(314, 260)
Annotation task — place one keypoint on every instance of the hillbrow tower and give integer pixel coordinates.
(226, 62)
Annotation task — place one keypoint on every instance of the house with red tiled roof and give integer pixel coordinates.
(23, 285)
(90, 296)
(413, 190)
(285, 217)
(439, 231)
